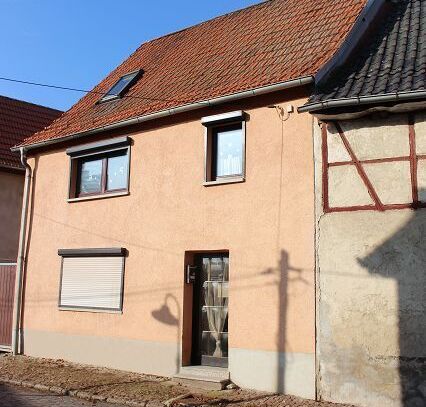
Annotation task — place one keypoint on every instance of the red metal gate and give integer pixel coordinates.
(7, 288)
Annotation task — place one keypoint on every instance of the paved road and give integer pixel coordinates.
(11, 396)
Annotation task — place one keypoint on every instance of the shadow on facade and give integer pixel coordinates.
(169, 313)
(282, 272)
(166, 316)
(402, 257)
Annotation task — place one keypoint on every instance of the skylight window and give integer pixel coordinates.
(121, 86)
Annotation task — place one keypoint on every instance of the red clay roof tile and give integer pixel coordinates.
(19, 120)
(272, 42)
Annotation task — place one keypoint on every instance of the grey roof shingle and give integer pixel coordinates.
(393, 60)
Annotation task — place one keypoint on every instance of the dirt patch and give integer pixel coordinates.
(115, 384)
(108, 383)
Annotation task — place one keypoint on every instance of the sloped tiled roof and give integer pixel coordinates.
(272, 42)
(19, 120)
(393, 60)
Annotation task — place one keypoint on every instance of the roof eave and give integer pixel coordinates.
(11, 167)
(302, 81)
(362, 100)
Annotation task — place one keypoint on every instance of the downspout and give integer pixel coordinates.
(20, 264)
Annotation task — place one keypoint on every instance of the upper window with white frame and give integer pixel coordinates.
(224, 148)
(99, 169)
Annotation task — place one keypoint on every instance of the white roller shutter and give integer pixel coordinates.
(92, 282)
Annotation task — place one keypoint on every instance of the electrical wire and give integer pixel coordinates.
(45, 85)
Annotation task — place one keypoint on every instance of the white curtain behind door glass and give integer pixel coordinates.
(216, 305)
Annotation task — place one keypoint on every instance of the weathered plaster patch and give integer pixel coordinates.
(372, 307)
(391, 180)
(420, 130)
(346, 187)
(378, 138)
(336, 149)
(421, 179)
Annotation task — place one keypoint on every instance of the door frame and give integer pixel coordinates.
(196, 329)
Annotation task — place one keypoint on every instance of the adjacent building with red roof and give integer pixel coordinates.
(18, 121)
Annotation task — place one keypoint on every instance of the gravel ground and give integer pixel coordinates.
(104, 383)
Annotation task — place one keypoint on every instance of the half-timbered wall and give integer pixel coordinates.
(373, 164)
(371, 256)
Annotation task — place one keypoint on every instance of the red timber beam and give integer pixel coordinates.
(325, 201)
(413, 160)
(360, 169)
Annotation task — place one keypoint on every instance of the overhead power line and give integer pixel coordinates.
(45, 85)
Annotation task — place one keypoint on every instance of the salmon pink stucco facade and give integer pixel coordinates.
(265, 225)
(171, 220)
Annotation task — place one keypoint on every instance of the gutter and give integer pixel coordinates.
(20, 266)
(363, 100)
(11, 168)
(306, 80)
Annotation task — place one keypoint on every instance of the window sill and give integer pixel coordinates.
(96, 310)
(100, 196)
(231, 180)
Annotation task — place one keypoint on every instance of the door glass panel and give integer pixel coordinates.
(90, 176)
(214, 315)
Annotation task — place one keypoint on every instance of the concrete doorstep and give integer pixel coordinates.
(203, 377)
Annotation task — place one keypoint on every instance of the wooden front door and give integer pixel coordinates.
(7, 290)
(210, 311)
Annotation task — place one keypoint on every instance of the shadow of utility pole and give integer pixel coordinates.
(282, 272)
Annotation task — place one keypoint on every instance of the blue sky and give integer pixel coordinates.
(76, 43)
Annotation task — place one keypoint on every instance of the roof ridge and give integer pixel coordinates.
(152, 40)
(30, 103)
(261, 4)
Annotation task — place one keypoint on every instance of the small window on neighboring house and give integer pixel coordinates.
(92, 279)
(224, 148)
(121, 86)
(99, 169)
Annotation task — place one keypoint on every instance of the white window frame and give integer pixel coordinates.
(221, 120)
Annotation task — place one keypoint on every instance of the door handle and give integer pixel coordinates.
(190, 274)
